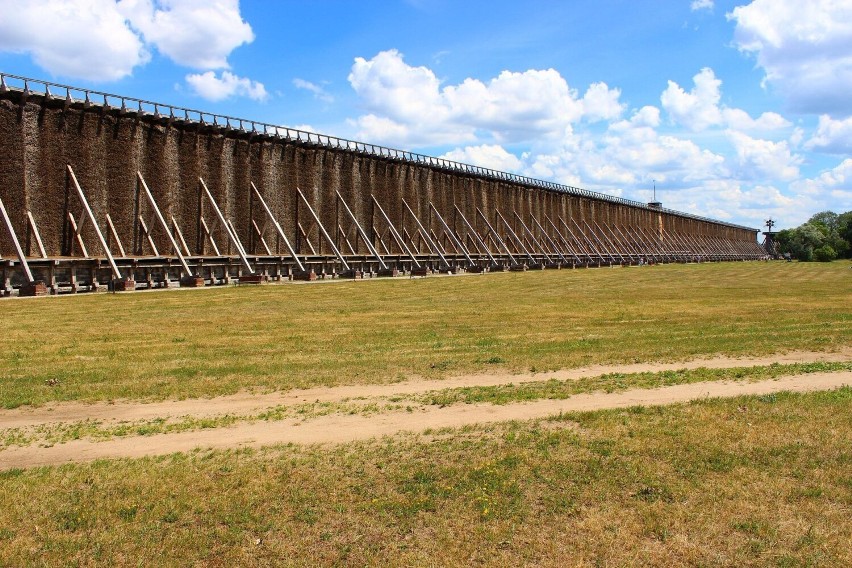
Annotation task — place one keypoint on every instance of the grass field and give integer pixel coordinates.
(749, 481)
(218, 341)
(763, 481)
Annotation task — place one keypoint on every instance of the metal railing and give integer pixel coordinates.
(173, 113)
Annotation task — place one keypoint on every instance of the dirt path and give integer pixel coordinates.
(335, 429)
(248, 403)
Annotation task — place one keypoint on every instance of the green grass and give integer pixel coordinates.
(751, 481)
(219, 341)
(614, 382)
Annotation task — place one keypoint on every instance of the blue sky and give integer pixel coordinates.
(738, 110)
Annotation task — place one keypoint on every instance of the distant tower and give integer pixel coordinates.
(655, 204)
(769, 244)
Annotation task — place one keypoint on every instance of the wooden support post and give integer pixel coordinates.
(496, 236)
(227, 228)
(278, 228)
(33, 229)
(563, 239)
(165, 226)
(476, 235)
(532, 237)
(114, 235)
(323, 231)
(180, 236)
(453, 238)
(361, 232)
(399, 240)
(206, 231)
(553, 245)
(17, 244)
(518, 241)
(425, 236)
(88, 211)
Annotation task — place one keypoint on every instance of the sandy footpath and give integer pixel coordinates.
(249, 403)
(341, 428)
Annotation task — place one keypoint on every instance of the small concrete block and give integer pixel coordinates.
(352, 274)
(391, 272)
(305, 275)
(37, 288)
(124, 285)
(252, 279)
(192, 282)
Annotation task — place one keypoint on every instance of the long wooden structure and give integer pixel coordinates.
(102, 190)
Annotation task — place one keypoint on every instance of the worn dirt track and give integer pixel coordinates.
(341, 428)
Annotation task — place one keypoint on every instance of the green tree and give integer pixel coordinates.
(824, 237)
(844, 231)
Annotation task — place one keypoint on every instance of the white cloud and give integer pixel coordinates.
(804, 48)
(701, 5)
(697, 109)
(410, 104)
(764, 159)
(214, 88)
(105, 40)
(318, 92)
(832, 136)
(830, 190)
(739, 119)
(192, 33)
(601, 103)
(89, 39)
(491, 156)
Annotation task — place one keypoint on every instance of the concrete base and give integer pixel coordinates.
(390, 272)
(124, 285)
(192, 282)
(252, 279)
(37, 288)
(352, 274)
(305, 275)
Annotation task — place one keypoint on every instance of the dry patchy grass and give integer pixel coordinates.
(747, 481)
(218, 341)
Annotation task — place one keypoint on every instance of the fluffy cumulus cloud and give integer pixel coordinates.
(699, 108)
(487, 156)
(602, 103)
(105, 40)
(192, 33)
(832, 136)
(829, 190)
(90, 39)
(219, 87)
(804, 48)
(764, 159)
(705, 157)
(408, 105)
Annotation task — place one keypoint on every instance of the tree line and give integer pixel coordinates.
(824, 237)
